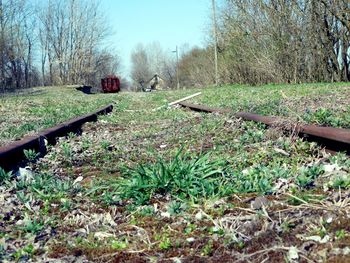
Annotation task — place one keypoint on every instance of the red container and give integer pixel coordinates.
(110, 84)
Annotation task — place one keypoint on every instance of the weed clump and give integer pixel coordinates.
(4, 176)
(258, 179)
(31, 155)
(308, 176)
(323, 116)
(182, 177)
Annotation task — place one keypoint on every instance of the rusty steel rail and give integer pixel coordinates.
(13, 154)
(203, 108)
(333, 139)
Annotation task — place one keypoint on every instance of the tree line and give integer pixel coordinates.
(56, 42)
(264, 41)
(273, 41)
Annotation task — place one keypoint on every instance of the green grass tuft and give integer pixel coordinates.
(183, 177)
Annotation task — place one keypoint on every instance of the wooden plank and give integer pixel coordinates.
(180, 100)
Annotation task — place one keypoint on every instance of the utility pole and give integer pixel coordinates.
(215, 43)
(177, 67)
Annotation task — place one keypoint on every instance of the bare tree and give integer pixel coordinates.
(140, 71)
(196, 68)
(71, 37)
(104, 63)
(150, 60)
(16, 44)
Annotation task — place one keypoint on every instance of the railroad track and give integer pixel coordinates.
(13, 154)
(333, 139)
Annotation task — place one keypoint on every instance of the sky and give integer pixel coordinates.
(170, 22)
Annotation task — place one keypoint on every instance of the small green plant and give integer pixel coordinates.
(31, 155)
(240, 244)
(22, 197)
(2, 251)
(341, 181)
(85, 144)
(340, 234)
(308, 175)
(258, 179)
(110, 198)
(299, 198)
(4, 176)
(208, 249)
(67, 151)
(18, 254)
(29, 249)
(252, 136)
(321, 231)
(105, 145)
(134, 220)
(66, 205)
(190, 228)
(286, 225)
(62, 186)
(340, 159)
(165, 244)
(215, 230)
(46, 208)
(32, 226)
(176, 207)
(70, 135)
(21, 184)
(147, 210)
(119, 245)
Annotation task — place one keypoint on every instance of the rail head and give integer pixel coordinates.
(203, 108)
